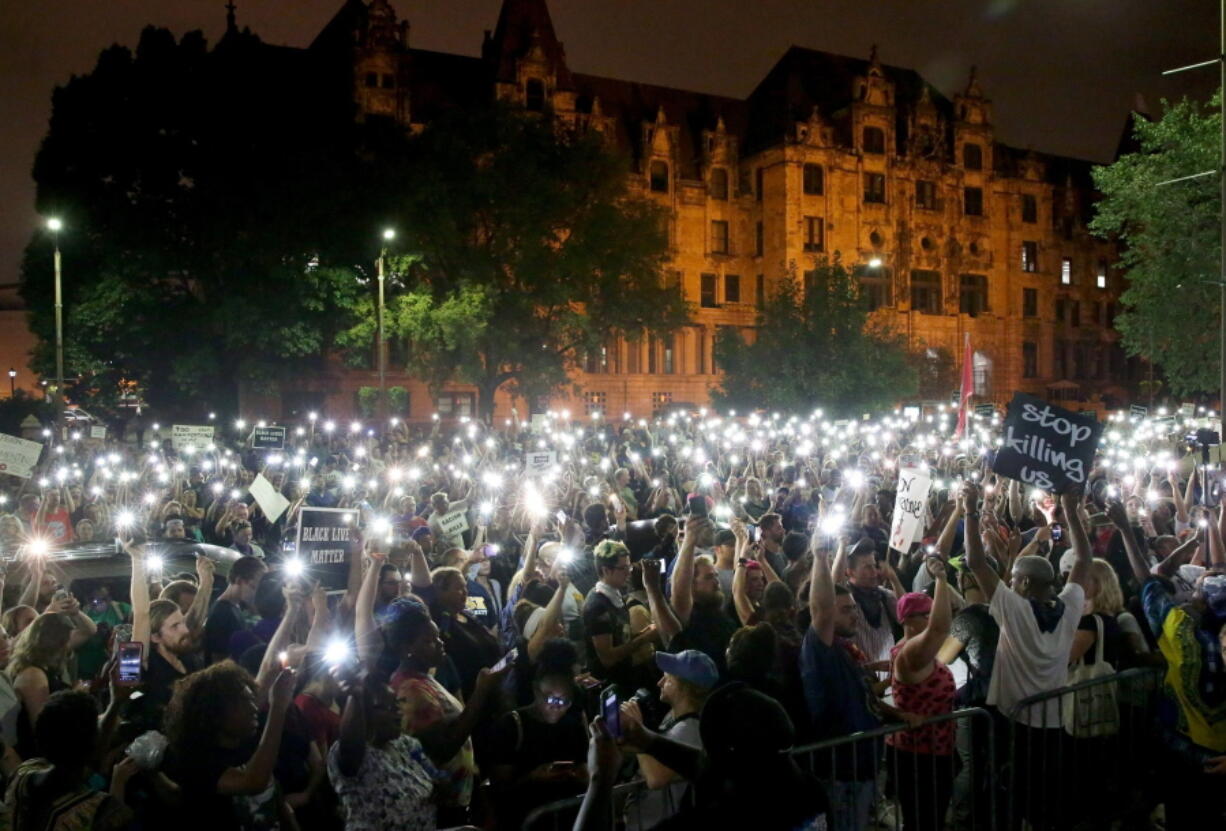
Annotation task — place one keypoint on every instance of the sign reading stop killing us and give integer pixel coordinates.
(1046, 446)
(912, 496)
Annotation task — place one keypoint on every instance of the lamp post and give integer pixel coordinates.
(55, 225)
(12, 383)
(389, 234)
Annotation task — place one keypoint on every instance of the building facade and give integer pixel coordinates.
(950, 230)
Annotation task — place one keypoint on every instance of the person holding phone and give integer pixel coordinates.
(538, 751)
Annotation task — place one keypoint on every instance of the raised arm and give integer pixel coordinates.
(1071, 502)
(1119, 518)
(198, 613)
(139, 593)
(553, 613)
(915, 659)
(740, 593)
(821, 597)
(365, 631)
(281, 640)
(976, 559)
(682, 593)
(351, 750)
(255, 776)
(945, 542)
(419, 567)
(662, 613)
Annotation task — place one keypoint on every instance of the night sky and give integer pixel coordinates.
(1062, 73)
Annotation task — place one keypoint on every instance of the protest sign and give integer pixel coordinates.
(541, 462)
(18, 456)
(328, 540)
(1046, 446)
(985, 410)
(271, 502)
(453, 523)
(909, 504)
(195, 435)
(1137, 411)
(1187, 409)
(97, 432)
(268, 438)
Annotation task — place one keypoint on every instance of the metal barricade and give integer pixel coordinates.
(1082, 753)
(876, 779)
(634, 806)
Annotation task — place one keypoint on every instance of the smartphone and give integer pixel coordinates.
(60, 594)
(130, 655)
(610, 709)
(1057, 533)
(697, 504)
(505, 661)
(560, 516)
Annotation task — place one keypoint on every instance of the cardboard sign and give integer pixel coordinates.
(1187, 409)
(195, 435)
(18, 456)
(97, 432)
(454, 523)
(985, 410)
(271, 502)
(1046, 446)
(327, 542)
(540, 461)
(909, 506)
(268, 438)
(1137, 411)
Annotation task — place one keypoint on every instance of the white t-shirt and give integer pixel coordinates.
(1029, 661)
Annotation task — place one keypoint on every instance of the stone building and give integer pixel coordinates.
(950, 230)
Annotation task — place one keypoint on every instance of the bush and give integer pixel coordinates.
(398, 401)
(368, 401)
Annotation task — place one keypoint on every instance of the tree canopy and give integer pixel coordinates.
(209, 226)
(815, 347)
(521, 249)
(1171, 242)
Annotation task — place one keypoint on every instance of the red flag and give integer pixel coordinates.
(968, 386)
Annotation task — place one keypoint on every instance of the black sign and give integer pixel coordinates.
(268, 438)
(328, 539)
(985, 410)
(1138, 411)
(1046, 446)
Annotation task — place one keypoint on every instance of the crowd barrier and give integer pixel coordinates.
(1005, 772)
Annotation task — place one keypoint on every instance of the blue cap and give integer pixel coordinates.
(690, 665)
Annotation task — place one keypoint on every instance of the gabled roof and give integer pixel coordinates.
(521, 25)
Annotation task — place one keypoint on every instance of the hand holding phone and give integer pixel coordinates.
(131, 655)
(506, 660)
(610, 708)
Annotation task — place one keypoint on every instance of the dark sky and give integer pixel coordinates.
(1062, 73)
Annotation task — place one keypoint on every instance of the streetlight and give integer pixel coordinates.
(12, 383)
(389, 234)
(55, 225)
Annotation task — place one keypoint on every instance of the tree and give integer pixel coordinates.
(528, 250)
(1170, 237)
(209, 231)
(815, 347)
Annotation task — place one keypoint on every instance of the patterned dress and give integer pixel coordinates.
(391, 789)
(934, 696)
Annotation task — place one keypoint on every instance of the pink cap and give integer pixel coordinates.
(913, 603)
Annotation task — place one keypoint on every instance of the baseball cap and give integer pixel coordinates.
(418, 533)
(689, 665)
(913, 603)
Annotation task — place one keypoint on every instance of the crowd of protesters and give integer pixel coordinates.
(682, 601)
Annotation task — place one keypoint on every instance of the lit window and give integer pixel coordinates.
(1066, 271)
(1101, 275)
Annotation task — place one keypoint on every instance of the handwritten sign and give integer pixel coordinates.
(1187, 409)
(271, 502)
(193, 435)
(909, 505)
(1137, 411)
(541, 462)
(268, 438)
(328, 540)
(97, 432)
(985, 410)
(454, 523)
(1046, 446)
(18, 456)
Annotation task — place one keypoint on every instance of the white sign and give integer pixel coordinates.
(909, 506)
(540, 461)
(454, 523)
(271, 502)
(1187, 410)
(197, 435)
(97, 432)
(539, 423)
(18, 456)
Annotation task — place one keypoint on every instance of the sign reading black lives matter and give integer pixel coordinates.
(328, 539)
(1046, 446)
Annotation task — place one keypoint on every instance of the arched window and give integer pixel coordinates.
(534, 95)
(874, 140)
(972, 156)
(659, 176)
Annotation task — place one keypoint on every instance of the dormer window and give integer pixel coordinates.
(874, 140)
(659, 176)
(972, 157)
(534, 95)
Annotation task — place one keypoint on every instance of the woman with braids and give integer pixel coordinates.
(225, 774)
